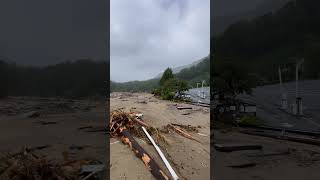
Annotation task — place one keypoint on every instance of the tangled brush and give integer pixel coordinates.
(119, 118)
(28, 166)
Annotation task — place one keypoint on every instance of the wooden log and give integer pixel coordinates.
(142, 154)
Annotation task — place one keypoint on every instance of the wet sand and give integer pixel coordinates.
(190, 159)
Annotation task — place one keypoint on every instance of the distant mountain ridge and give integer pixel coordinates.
(178, 69)
(192, 73)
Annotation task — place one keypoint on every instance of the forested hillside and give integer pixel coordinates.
(71, 79)
(197, 73)
(227, 12)
(274, 39)
(134, 86)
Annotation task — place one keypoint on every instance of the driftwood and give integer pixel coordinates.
(183, 133)
(186, 127)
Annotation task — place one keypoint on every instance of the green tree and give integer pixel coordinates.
(166, 76)
(181, 86)
(232, 79)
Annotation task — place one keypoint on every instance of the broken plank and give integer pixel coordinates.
(245, 165)
(183, 133)
(181, 108)
(236, 147)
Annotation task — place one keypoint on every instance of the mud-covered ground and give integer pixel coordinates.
(190, 159)
(64, 126)
(279, 159)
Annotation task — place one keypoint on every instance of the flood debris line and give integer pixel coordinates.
(120, 124)
(28, 165)
(173, 174)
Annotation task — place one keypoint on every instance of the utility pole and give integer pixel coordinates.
(198, 89)
(203, 96)
(298, 98)
(284, 102)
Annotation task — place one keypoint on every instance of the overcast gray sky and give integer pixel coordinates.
(41, 32)
(147, 36)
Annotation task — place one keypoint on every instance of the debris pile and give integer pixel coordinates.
(133, 123)
(28, 165)
(121, 124)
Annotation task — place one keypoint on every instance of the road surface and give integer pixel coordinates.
(196, 95)
(268, 99)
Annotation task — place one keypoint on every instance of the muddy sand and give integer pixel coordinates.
(60, 124)
(190, 159)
